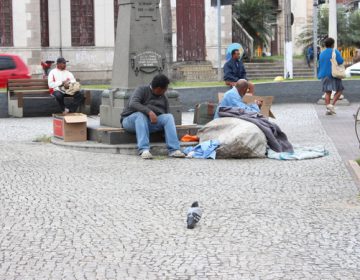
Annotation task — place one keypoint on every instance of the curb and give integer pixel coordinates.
(157, 149)
(356, 168)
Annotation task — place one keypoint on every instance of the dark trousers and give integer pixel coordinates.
(78, 99)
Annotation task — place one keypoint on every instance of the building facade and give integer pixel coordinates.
(80, 30)
(83, 31)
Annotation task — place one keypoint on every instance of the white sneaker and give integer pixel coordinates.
(66, 111)
(146, 155)
(331, 108)
(177, 154)
(328, 112)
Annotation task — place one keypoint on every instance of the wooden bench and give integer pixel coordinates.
(21, 91)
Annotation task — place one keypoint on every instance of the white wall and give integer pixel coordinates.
(301, 10)
(54, 23)
(66, 23)
(20, 23)
(211, 33)
(104, 23)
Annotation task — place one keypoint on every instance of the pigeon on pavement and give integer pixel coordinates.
(193, 215)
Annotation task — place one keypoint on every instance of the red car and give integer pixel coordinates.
(12, 67)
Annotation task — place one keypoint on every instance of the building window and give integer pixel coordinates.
(82, 23)
(116, 12)
(44, 21)
(6, 23)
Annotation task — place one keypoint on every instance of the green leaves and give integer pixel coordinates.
(347, 28)
(256, 17)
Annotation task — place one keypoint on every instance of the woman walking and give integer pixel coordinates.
(330, 83)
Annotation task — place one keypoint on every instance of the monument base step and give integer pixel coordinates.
(157, 149)
(114, 136)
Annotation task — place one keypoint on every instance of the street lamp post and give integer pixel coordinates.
(288, 61)
(315, 34)
(219, 39)
(333, 21)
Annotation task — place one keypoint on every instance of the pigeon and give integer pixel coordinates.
(193, 215)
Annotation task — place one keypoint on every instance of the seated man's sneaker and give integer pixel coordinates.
(66, 111)
(177, 154)
(146, 155)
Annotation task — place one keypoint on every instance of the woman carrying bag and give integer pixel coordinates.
(331, 71)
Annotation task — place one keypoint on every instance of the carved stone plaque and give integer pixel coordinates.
(146, 9)
(147, 62)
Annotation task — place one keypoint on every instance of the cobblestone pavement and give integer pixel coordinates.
(67, 214)
(341, 129)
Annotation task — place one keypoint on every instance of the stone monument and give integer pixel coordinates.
(139, 56)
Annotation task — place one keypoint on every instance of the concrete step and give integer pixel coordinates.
(269, 70)
(158, 149)
(114, 136)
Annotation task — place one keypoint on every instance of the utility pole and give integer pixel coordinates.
(333, 21)
(219, 39)
(315, 34)
(288, 57)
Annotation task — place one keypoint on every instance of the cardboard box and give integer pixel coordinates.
(267, 102)
(70, 127)
(204, 112)
(265, 108)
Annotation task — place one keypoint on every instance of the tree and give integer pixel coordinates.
(256, 17)
(347, 28)
(354, 31)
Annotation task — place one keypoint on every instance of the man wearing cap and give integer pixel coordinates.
(59, 79)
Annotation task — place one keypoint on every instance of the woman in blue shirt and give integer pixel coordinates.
(329, 83)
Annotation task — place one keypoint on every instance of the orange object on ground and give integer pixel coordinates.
(189, 138)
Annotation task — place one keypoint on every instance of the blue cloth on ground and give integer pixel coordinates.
(205, 149)
(299, 153)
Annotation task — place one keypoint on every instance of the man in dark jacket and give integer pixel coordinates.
(234, 70)
(147, 112)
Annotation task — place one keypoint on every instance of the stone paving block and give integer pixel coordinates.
(69, 213)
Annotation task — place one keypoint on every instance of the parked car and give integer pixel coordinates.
(353, 70)
(12, 67)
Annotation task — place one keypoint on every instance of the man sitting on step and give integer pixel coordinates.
(148, 111)
(233, 98)
(234, 70)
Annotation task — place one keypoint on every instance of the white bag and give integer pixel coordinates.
(238, 138)
(73, 88)
(337, 71)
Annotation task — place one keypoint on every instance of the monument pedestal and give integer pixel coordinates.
(139, 56)
(113, 102)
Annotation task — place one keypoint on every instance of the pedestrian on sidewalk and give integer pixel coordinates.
(330, 83)
(148, 111)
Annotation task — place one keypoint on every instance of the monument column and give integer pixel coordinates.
(139, 56)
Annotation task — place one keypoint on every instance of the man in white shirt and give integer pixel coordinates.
(59, 79)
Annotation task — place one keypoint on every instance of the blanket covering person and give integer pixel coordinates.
(276, 139)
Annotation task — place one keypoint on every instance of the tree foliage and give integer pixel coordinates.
(256, 17)
(347, 28)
